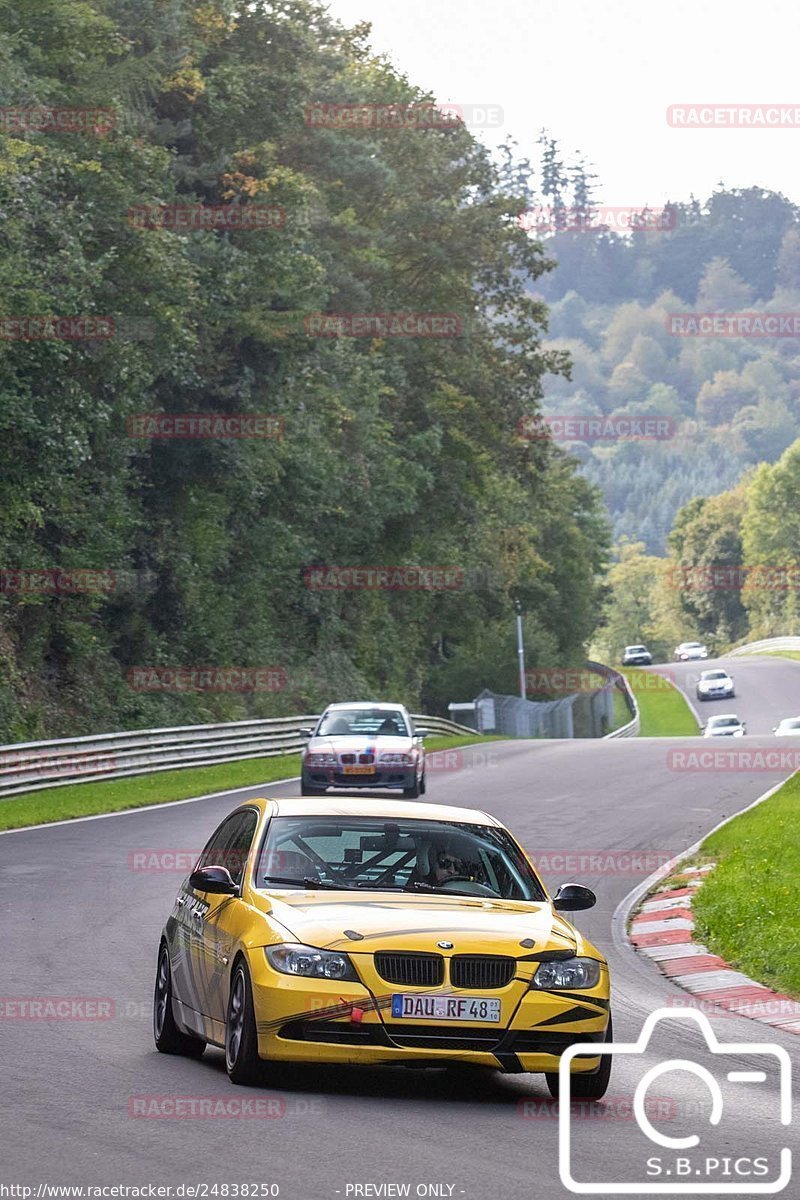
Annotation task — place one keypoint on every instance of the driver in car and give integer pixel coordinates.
(437, 862)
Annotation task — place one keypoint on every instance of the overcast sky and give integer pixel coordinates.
(600, 76)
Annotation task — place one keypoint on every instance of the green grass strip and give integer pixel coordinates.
(114, 795)
(746, 911)
(663, 711)
(795, 654)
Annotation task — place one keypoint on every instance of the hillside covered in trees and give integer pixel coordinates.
(731, 573)
(395, 450)
(733, 401)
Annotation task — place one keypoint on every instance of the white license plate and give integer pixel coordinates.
(418, 1007)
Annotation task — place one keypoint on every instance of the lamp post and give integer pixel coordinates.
(520, 650)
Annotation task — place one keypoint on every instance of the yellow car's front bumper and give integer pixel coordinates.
(316, 1020)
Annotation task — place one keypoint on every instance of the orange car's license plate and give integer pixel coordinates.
(358, 770)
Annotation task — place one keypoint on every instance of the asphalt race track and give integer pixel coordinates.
(80, 922)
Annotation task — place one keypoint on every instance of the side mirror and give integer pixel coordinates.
(774, 728)
(217, 880)
(571, 897)
(306, 733)
(422, 733)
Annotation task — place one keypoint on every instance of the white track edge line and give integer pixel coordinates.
(127, 812)
(619, 920)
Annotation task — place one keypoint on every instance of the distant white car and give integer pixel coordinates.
(727, 725)
(715, 685)
(636, 656)
(690, 650)
(788, 727)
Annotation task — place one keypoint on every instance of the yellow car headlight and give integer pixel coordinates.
(296, 959)
(567, 973)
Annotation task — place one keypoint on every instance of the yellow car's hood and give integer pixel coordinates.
(387, 921)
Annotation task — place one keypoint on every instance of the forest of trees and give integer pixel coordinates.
(731, 574)
(734, 401)
(395, 450)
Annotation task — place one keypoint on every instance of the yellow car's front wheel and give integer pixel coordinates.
(241, 1039)
(586, 1087)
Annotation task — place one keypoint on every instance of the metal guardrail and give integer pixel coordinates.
(31, 766)
(778, 644)
(633, 726)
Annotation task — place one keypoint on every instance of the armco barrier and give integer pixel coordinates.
(30, 766)
(777, 644)
(633, 726)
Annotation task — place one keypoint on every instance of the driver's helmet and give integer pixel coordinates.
(445, 852)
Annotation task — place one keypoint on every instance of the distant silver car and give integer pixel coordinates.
(690, 650)
(715, 685)
(788, 727)
(726, 725)
(364, 745)
(636, 656)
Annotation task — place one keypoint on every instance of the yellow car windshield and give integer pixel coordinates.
(403, 855)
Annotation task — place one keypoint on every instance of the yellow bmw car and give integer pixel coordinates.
(357, 930)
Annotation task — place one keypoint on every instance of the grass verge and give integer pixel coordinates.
(663, 711)
(746, 911)
(621, 714)
(795, 654)
(114, 795)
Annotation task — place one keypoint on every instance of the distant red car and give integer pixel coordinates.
(364, 745)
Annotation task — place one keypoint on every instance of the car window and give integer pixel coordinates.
(714, 675)
(362, 722)
(725, 721)
(230, 844)
(404, 854)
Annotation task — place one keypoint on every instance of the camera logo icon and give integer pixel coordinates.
(689, 1162)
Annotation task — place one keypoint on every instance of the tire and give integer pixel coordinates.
(412, 793)
(241, 1040)
(308, 789)
(168, 1038)
(423, 785)
(586, 1087)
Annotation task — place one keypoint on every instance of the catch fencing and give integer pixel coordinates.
(579, 715)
